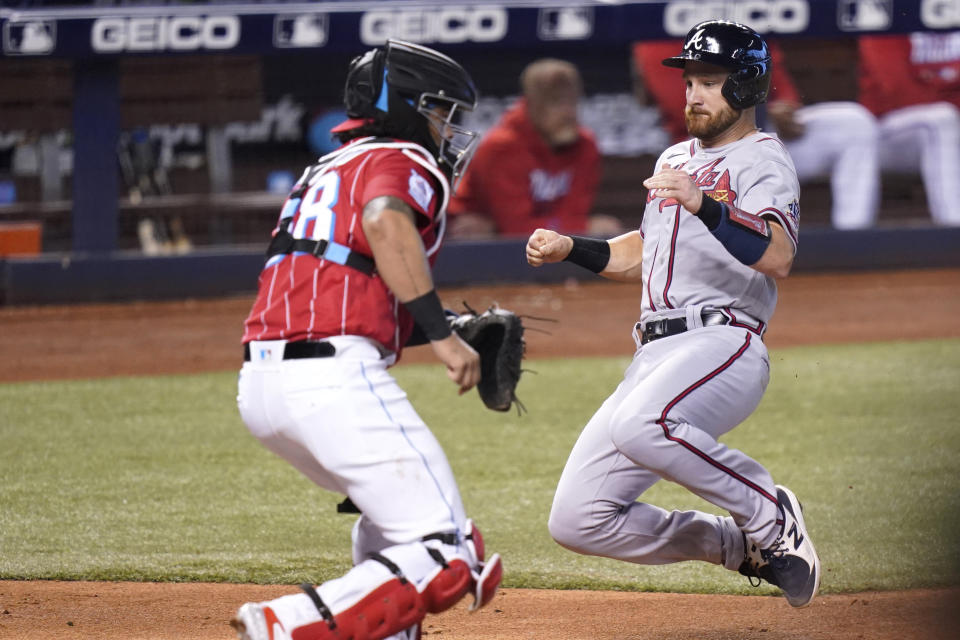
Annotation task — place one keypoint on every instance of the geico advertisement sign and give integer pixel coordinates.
(165, 33)
(940, 14)
(449, 25)
(764, 16)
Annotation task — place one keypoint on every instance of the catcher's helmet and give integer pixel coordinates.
(398, 85)
(736, 47)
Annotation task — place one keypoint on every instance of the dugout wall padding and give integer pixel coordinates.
(125, 276)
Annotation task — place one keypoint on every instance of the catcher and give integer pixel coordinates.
(347, 277)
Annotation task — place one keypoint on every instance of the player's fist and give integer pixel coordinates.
(461, 360)
(545, 246)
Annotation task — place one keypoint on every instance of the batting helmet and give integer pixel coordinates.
(397, 87)
(732, 46)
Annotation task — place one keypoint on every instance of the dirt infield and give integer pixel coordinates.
(149, 611)
(592, 319)
(147, 338)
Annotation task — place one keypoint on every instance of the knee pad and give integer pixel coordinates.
(486, 582)
(487, 575)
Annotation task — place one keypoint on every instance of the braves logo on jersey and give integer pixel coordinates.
(710, 181)
(720, 191)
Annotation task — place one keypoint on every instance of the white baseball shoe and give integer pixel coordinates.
(258, 622)
(754, 565)
(792, 561)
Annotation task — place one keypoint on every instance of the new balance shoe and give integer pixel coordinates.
(792, 561)
(754, 565)
(257, 622)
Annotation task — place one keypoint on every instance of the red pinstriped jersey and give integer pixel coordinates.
(304, 297)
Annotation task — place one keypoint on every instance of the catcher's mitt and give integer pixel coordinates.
(497, 336)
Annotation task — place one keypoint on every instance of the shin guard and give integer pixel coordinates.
(448, 586)
(390, 608)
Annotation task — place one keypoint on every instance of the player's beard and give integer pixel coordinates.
(703, 125)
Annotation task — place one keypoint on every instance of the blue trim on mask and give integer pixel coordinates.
(382, 100)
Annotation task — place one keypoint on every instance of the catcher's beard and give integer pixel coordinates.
(703, 125)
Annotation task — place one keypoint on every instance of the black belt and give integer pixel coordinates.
(656, 329)
(301, 349)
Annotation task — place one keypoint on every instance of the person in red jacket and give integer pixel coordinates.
(835, 139)
(537, 167)
(911, 82)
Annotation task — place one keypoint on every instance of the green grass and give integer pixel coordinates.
(156, 478)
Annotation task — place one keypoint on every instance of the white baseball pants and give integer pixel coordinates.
(841, 141)
(346, 424)
(925, 138)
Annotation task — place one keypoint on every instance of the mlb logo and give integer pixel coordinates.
(864, 15)
(300, 31)
(568, 23)
(30, 37)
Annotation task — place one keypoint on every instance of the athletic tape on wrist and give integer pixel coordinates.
(744, 235)
(428, 313)
(589, 253)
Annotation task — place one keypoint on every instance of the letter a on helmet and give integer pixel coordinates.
(735, 47)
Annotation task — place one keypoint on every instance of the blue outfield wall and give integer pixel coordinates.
(123, 276)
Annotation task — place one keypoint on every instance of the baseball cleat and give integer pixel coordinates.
(257, 622)
(792, 560)
(754, 565)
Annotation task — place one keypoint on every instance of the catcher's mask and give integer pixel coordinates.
(410, 90)
(733, 46)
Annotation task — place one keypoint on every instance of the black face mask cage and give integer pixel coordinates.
(457, 143)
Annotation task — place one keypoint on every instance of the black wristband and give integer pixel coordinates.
(428, 313)
(589, 253)
(710, 212)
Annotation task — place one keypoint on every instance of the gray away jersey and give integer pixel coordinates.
(683, 264)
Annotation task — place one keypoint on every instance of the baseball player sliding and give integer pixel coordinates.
(720, 224)
(348, 275)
